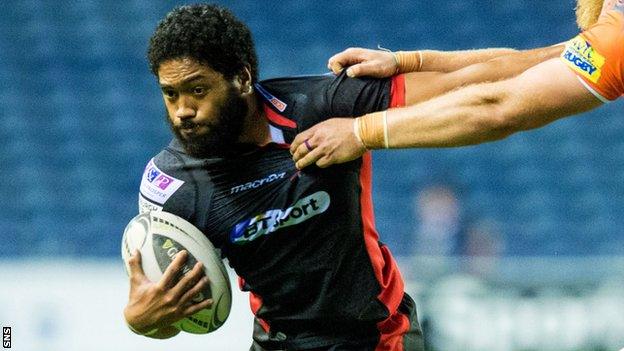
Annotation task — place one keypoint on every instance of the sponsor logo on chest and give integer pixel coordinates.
(276, 219)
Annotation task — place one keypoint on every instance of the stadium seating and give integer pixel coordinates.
(81, 115)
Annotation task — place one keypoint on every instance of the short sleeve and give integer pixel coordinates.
(596, 57)
(294, 104)
(165, 187)
(357, 96)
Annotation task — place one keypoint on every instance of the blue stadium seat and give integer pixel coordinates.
(83, 109)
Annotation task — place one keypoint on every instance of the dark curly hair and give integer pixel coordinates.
(207, 33)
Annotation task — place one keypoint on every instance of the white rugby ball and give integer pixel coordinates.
(159, 236)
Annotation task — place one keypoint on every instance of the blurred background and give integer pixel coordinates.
(514, 245)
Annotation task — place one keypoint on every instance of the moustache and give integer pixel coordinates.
(189, 125)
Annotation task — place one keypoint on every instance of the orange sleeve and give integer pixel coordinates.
(597, 56)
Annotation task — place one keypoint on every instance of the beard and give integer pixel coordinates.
(587, 12)
(223, 133)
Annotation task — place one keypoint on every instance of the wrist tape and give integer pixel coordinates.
(372, 130)
(409, 61)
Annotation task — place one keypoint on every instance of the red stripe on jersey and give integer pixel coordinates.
(278, 119)
(385, 268)
(255, 302)
(392, 331)
(397, 91)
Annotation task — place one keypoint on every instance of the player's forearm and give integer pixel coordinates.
(502, 67)
(516, 63)
(449, 61)
(464, 117)
(483, 112)
(422, 86)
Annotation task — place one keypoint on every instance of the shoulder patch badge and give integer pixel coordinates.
(583, 58)
(158, 186)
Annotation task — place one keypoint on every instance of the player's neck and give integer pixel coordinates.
(608, 5)
(256, 127)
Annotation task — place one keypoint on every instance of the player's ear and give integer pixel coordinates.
(243, 82)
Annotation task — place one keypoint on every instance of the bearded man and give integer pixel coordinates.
(303, 242)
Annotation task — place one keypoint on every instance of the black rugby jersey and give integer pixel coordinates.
(302, 242)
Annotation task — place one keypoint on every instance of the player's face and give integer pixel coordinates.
(206, 111)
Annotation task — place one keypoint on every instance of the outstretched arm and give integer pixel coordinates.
(492, 111)
(421, 86)
(380, 63)
(424, 85)
(472, 115)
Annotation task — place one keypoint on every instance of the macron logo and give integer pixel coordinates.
(257, 183)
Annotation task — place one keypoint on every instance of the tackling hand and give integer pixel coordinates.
(364, 62)
(327, 143)
(157, 305)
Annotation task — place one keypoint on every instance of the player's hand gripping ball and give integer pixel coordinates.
(159, 236)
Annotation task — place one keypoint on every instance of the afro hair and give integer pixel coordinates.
(210, 34)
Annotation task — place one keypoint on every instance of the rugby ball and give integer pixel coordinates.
(159, 236)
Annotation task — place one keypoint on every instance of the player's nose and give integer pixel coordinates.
(185, 109)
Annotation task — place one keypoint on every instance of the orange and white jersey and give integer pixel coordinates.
(597, 56)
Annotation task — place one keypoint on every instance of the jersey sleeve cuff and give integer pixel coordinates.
(598, 95)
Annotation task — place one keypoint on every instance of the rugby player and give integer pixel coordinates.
(588, 73)
(303, 242)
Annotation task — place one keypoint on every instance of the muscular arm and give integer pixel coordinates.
(471, 115)
(380, 64)
(421, 86)
(449, 61)
(491, 111)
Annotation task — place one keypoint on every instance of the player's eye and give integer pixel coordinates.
(170, 94)
(199, 90)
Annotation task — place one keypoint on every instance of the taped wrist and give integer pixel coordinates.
(372, 130)
(409, 61)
